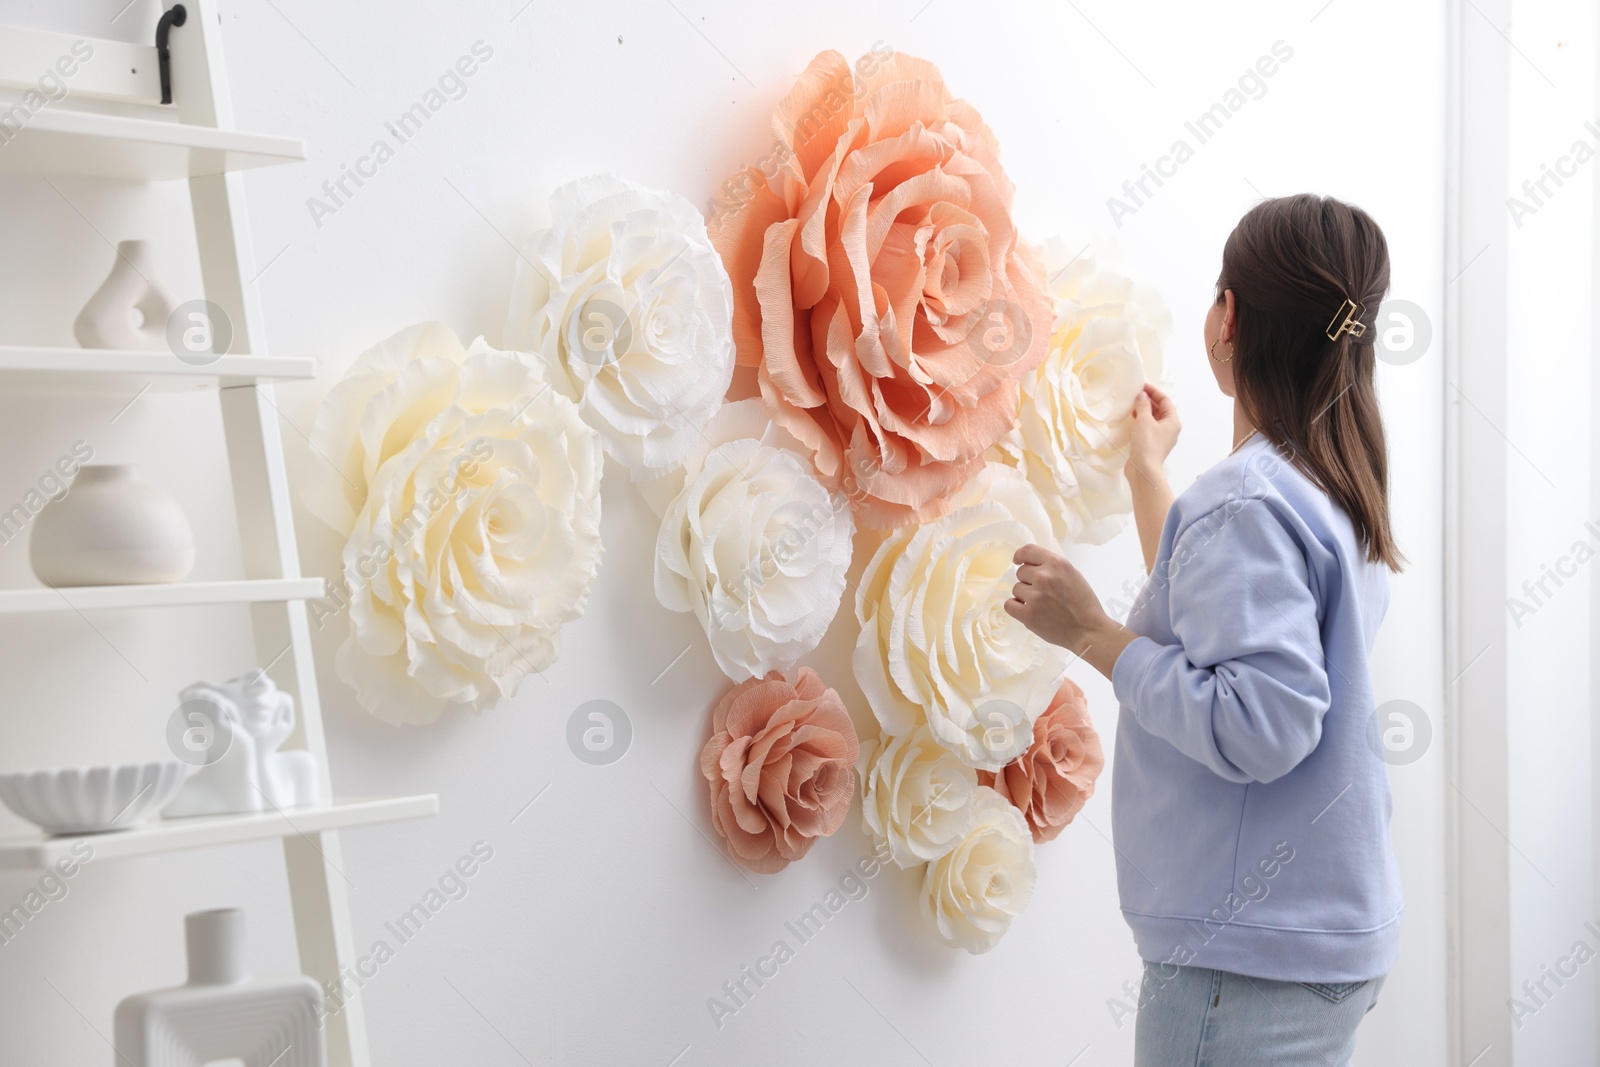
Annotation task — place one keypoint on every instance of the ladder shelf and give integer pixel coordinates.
(142, 142)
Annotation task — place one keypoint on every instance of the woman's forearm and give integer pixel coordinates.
(1152, 498)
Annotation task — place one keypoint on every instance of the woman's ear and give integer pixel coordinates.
(1229, 311)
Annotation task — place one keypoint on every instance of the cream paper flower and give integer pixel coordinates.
(1075, 418)
(478, 539)
(915, 795)
(974, 891)
(936, 643)
(629, 306)
(384, 400)
(753, 545)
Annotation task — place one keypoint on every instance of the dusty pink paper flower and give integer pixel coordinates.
(1050, 782)
(880, 288)
(780, 765)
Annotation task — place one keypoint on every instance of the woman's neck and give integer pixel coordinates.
(1242, 426)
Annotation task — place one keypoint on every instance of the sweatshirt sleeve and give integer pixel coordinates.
(1245, 691)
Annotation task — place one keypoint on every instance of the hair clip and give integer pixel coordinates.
(1350, 312)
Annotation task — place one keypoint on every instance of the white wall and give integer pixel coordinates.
(606, 918)
(1550, 647)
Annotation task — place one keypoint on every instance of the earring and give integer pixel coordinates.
(1214, 352)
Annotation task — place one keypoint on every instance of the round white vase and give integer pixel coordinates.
(111, 528)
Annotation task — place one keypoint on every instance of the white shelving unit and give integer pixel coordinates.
(35, 851)
(179, 594)
(193, 140)
(115, 146)
(88, 370)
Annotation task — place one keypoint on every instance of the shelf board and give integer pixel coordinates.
(58, 141)
(93, 370)
(35, 851)
(175, 594)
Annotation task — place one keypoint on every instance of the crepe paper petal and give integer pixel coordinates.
(629, 308)
(1075, 421)
(778, 766)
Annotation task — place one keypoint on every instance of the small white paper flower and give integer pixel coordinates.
(972, 892)
(915, 795)
(936, 643)
(478, 537)
(629, 307)
(753, 545)
(1074, 420)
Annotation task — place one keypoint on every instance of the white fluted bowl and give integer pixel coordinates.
(87, 800)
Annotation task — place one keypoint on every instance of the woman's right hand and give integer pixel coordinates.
(1155, 431)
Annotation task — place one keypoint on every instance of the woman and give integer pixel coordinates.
(1251, 804)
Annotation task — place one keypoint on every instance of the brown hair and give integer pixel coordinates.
(1292, 263)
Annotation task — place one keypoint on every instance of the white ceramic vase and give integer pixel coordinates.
(111, 528)
(222, 1014)
(130, 309)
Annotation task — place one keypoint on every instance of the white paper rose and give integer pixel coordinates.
(478, 539)
(1075, 417)
(388, 395)
(915, 795)
(753, 545)
(936, 643)
(974, 891)
(629, 306)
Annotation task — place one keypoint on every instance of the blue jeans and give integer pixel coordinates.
(1205, 1018)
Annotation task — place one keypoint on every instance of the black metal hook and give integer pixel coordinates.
(174, 16)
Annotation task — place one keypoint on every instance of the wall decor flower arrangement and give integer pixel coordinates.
(968, 395)
(928, 384)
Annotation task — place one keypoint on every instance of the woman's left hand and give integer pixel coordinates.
(1053, 599)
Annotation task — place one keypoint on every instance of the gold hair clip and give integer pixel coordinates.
(1350, 312)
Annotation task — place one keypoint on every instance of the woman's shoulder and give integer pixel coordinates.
(1261, 473)
(1260, 480)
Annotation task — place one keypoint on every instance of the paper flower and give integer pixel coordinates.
(915, 795)
(1051, 781)
(384, 400)
(1075, 419)
(753, 545)
(880, 287)
(779, 767)
(478, 539)
(936, 642)
(627, 304)
(974, 891)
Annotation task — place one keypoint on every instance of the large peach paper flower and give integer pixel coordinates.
(880, 287)
(1075, 419)
(779, 765)
(1051, 781)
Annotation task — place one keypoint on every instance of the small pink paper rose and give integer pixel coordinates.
(1050, 782)
(780, 766)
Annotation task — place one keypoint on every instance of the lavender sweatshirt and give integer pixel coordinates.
(1251, 802)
